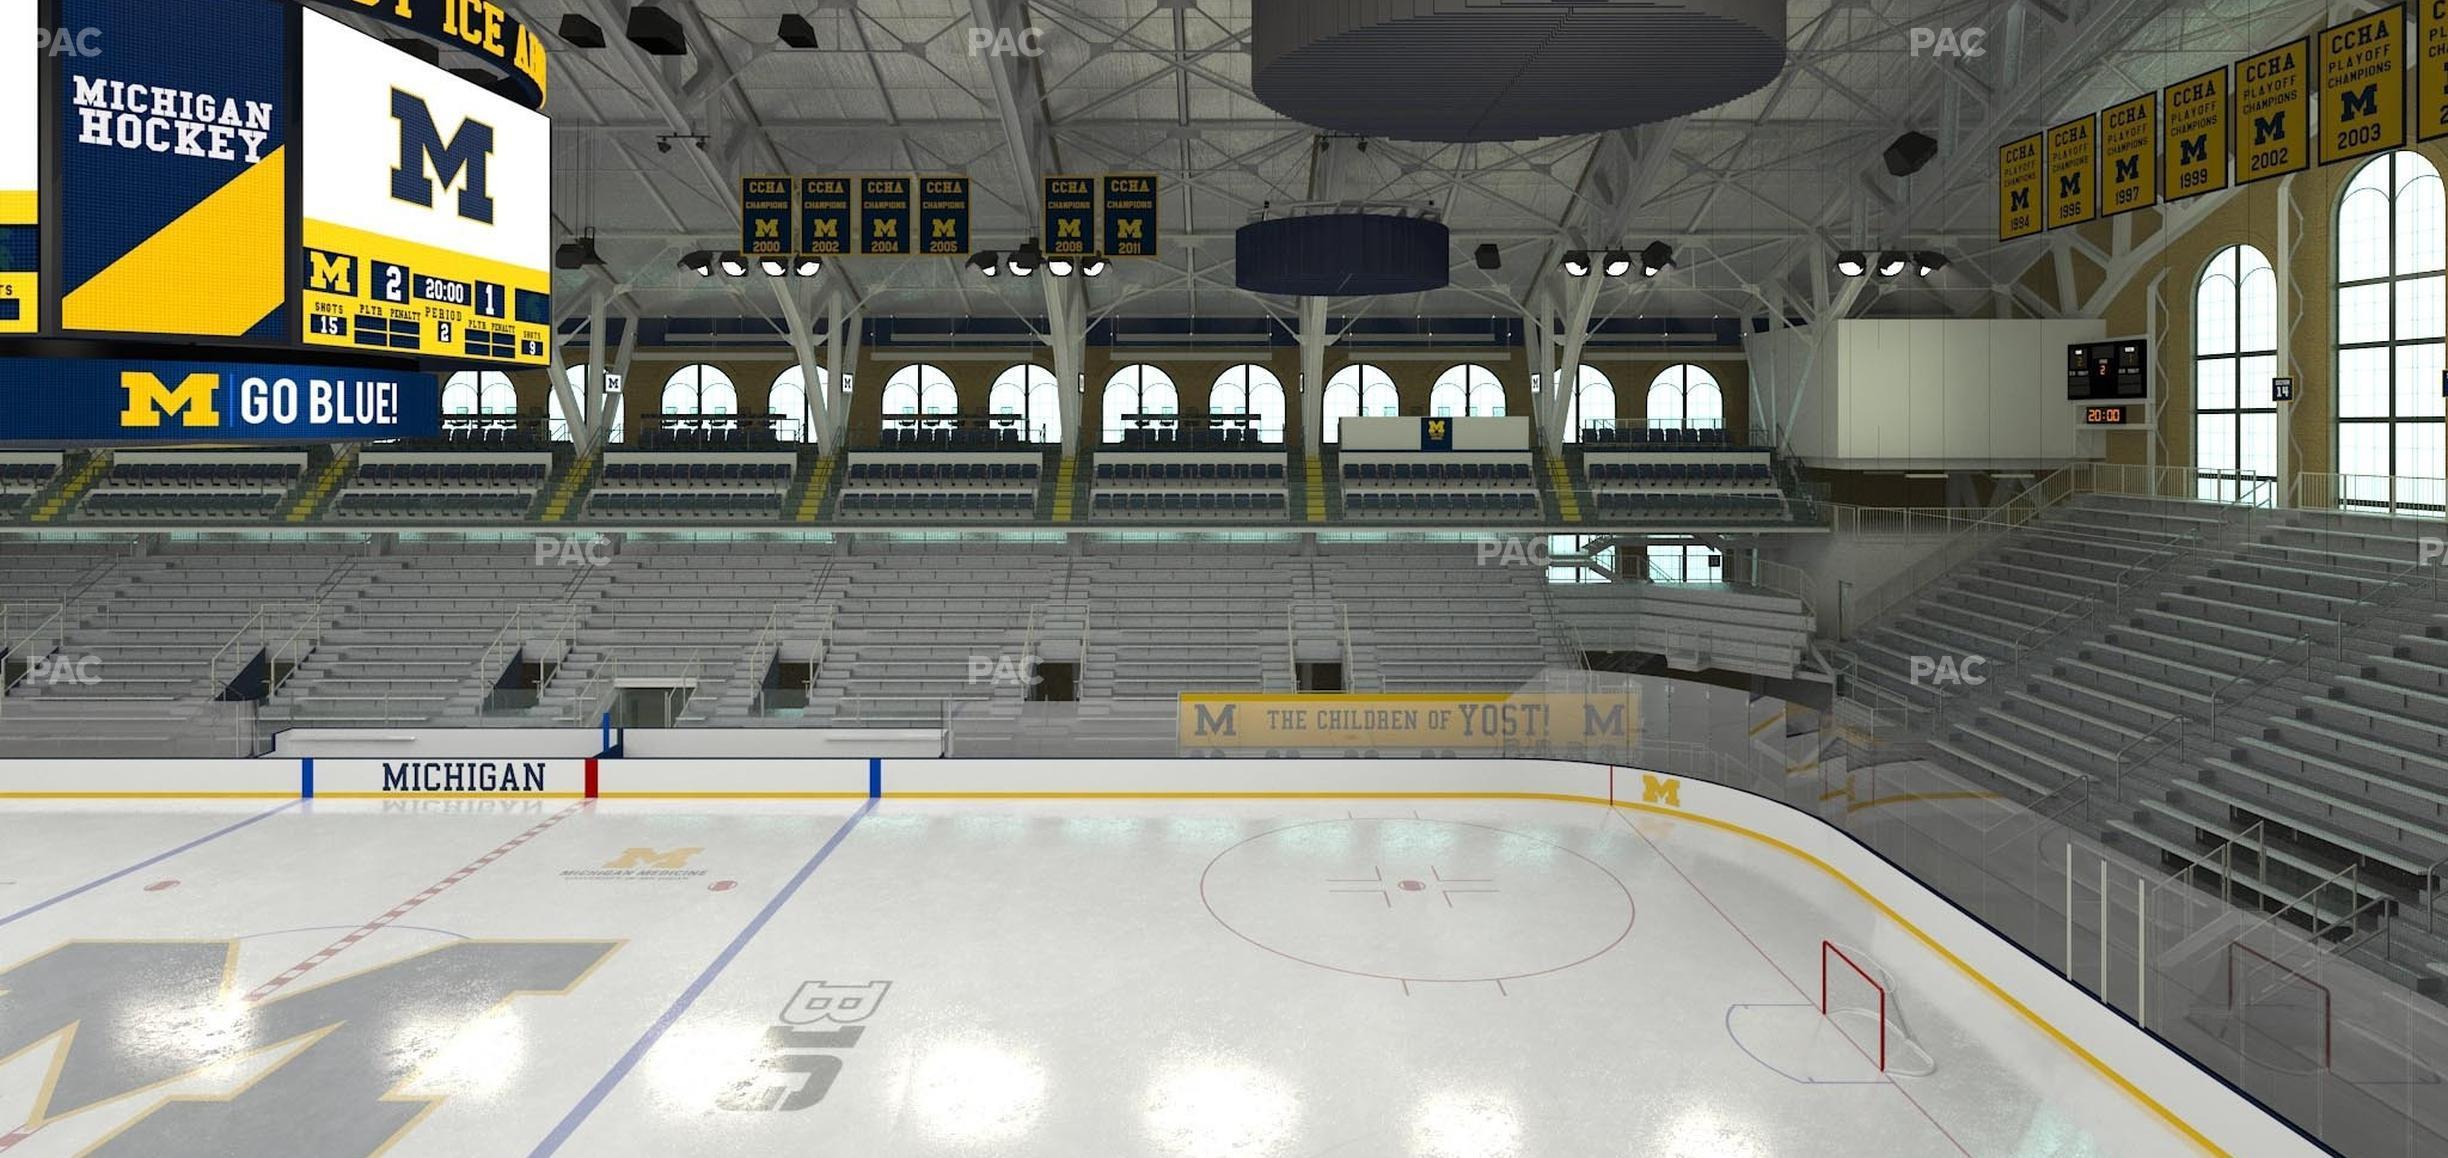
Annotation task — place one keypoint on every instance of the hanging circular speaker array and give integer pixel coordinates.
(1508, 70)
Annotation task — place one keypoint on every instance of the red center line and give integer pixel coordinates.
(402, 909)
(408, 906)
(1780, 971)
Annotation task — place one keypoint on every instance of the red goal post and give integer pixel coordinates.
(1830, 949)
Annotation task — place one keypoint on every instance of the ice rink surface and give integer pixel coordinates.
(1202, 978)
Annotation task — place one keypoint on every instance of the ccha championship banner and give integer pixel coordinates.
(109, 401)
(2273, 111)
(2195, 156)
(2431, 70)
(2019, 169)
(2363, 86)
(2129, 142)
(1498, 721)
(2073, 172)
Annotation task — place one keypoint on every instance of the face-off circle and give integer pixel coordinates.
(1417, 900)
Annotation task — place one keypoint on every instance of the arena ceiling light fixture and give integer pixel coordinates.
(1025, 260)
(810, 266)
(1892, 263)
(1927, 263)
(1488, 256)
(1060, 266)
(775, 266)
(733, 265)
(1577, 263)
(1852, 263)
(987, 262)
(1093, 265)
(1657, 259)
(699, 262)
(1618, 263)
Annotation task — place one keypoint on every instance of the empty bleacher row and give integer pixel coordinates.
(2262, 690)
(721, 486)
(902, 485)
(24, 475)
(1245, 484)
(1249, 482)
(1658, 438)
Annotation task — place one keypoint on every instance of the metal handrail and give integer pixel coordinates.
(2008, 514)
(2394, 485)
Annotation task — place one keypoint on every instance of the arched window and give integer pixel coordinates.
(1593, 403)
(1254, 390)
(788, 402)
(576, 375)
(1467, 391)
(1029, 391)
(920, 389)
(2391, 313)
(2235, 351)
(479, 392)
(1137, 390)
(700, 389)
(1686, 397)
(1358, 391)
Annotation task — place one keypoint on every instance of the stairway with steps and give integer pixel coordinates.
(806, 503)
(1563, 490)
(316, 489)
(61, 497)
(562, 497)
(1066, 488)
(1313, 487)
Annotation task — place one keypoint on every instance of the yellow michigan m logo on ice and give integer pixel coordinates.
(1668, 792)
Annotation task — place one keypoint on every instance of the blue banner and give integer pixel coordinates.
(134, 401)
(173, 169)
(1436, 434)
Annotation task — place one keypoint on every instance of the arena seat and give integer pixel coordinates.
(1191, 486)
(907, 484)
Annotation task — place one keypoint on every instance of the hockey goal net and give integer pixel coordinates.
(1860, 999)
(2275, 1008)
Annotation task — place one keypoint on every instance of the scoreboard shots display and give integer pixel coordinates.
(425, 207)
(20, 166)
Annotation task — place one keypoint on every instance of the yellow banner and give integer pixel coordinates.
(2019, 164)
(2129, 144)
(2431, 70)
(2362, 86)
(2273, 112)
(2194, 159)
(1509, 721)
(2073, 167)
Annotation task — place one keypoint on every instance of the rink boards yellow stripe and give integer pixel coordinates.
(2117, 1079)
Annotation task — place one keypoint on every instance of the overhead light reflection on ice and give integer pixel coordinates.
(1699, 1133)
(692, 1067)
(1453, 1125)
(975, 1092)
(479, 1061)
(1221, 1111)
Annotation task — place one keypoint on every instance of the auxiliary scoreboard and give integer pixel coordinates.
(426, 208)
(20, 165)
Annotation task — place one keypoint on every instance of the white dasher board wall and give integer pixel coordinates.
(1924, 392)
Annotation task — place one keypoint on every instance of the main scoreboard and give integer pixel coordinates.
(426, 207)
(20, 166)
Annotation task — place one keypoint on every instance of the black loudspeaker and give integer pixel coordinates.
(654, 30)
(1909, 152)
(581, 32)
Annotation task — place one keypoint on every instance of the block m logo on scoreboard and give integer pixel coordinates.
(462, 160)
(149, 400)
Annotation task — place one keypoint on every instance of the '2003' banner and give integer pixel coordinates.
(1483, 721)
